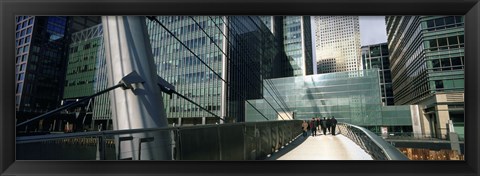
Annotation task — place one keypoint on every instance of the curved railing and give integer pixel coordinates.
(373, 144)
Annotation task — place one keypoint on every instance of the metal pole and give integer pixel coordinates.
(127, 50)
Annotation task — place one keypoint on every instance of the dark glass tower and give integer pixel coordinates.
(42, 51)
(376, 56)
(40, 61)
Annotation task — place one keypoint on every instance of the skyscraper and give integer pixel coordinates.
(41, 49)
(376, 56)
(427, 64)
(297, 31)
(337, 43)
(40, 58)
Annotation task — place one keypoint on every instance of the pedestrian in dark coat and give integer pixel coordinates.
(318, 124)
(313, 128)
(329, 125)
(334, 125)
(323, 124)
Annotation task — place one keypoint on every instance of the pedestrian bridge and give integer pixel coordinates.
(322, 147)
(270, 140)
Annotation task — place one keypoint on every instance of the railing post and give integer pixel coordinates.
(101, 148)
(219, 142)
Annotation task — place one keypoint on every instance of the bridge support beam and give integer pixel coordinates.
(127, 50)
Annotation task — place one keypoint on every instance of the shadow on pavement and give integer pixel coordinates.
(287, 148)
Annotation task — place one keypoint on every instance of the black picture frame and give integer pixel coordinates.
(10, 8)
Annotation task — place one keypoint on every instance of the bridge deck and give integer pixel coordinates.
(323, 147)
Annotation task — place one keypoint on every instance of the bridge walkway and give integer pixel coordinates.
(321, 147)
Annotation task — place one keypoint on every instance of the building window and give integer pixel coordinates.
(439, 84)
(19, 88)
(24, 58)
(21, 77)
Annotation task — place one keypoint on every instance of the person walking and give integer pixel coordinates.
(304, 128)
(329, 125)
(318, 125)
(323, 124)
(334, 125)
(313, 128)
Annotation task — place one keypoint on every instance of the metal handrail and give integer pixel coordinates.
(373, 144)
(47, 137)
(264, 143)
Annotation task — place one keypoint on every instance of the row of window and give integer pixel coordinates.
(22, 58)
(22, 41)
(186, 29)
(444, 23)
(85, 47)
(21, 68)
(445, 43)
(188, 109)
(441, 85)
(24, 24)
(24, 32)
(23, 49)
(293, 36)
(444, 64)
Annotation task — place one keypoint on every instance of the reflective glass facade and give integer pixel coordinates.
(82, 62)
(351, 98)
(376, 56)
(297, 31)
(427, 64)
(238, 52)
(86, 72)
(281, 66)
(40, 60)
(244, 46)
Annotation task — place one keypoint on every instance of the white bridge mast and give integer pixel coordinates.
(127, 50)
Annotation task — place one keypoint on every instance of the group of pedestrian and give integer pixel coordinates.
(325, 125)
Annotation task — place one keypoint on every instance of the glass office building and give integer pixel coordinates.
(40, 58)
(86, 75)
(82, 61)
(376, 56)
(427, 64)
(281, 65)
(351, 98)
(218, 62)
(297, 31)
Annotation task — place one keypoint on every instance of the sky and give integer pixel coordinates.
(372, 30)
